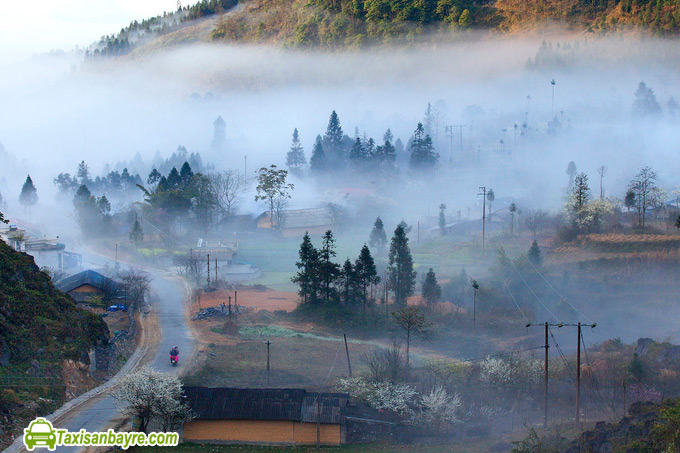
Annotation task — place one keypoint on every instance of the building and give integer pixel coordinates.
(87, 284)
(47, 252)
(294, 222)
(282, 417)
(264, 416)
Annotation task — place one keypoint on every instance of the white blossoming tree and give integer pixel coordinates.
(152, 396)
(437, 409)
(399, 398)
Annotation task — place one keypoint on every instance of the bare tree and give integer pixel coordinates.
(386, 365)
(191, 266)
(135, 283)
(602, 171)
(412, 322)
(229, 187)
(647, 194)
(535, 219)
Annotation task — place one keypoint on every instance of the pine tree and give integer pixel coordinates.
(333, 143)
(295, 158)
(334, 131)
(378, 238)
(29, 194)
(402, 275)
(423, 157)
(307, 266)
(174, 179)
(328, 270)
(388, 136)
(428, 120)
(104, 205)
(357, 155)
(442, 219)
(317, 163)
(534, 254)
(386, 156)
(366, 273)
(645, 101)
(432, 292)
(136, 233)
(186, 173)
(348, 282)
(83, 173)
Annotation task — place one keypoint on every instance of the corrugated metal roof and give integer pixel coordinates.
(265, 404)
(88, 277)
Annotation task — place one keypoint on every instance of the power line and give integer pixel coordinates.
(532, 291)
(552, 287)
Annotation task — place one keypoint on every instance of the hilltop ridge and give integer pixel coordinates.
(337, 24)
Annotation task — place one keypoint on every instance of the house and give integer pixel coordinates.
(283, 417)
(264, 416)
(294, 222)
(87, 284)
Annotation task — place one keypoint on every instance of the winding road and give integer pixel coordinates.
(96, 410)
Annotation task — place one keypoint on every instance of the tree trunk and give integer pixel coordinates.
(408, 350)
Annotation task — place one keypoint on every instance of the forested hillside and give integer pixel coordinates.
(356, 23)
(40, 329)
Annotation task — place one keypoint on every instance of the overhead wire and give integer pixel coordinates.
(532, 291)
(562, 298)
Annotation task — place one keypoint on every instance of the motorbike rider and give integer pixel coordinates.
(174, 352)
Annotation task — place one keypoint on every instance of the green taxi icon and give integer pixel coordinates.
(40, 434)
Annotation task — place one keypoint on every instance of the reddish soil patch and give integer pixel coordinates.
(269, 300)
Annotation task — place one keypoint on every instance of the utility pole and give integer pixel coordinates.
(472, 139)
(318, 421)
(267, 343)
(387, 315)
(461, 137)
(215, 270)
(546, 326)
(449, 133)
(482, 191)
(349, 365)
(229, 308)
(208, 269)
(578, 373)
(545, 393)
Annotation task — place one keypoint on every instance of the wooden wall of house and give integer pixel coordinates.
(260, 432)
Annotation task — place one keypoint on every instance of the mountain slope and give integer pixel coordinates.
(43, 338)
(355, 23)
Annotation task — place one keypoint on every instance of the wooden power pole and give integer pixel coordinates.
(482, 192)
(349, 364)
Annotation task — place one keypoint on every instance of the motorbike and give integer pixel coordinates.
(174, 359)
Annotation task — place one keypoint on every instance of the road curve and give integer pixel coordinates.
(98, 411)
